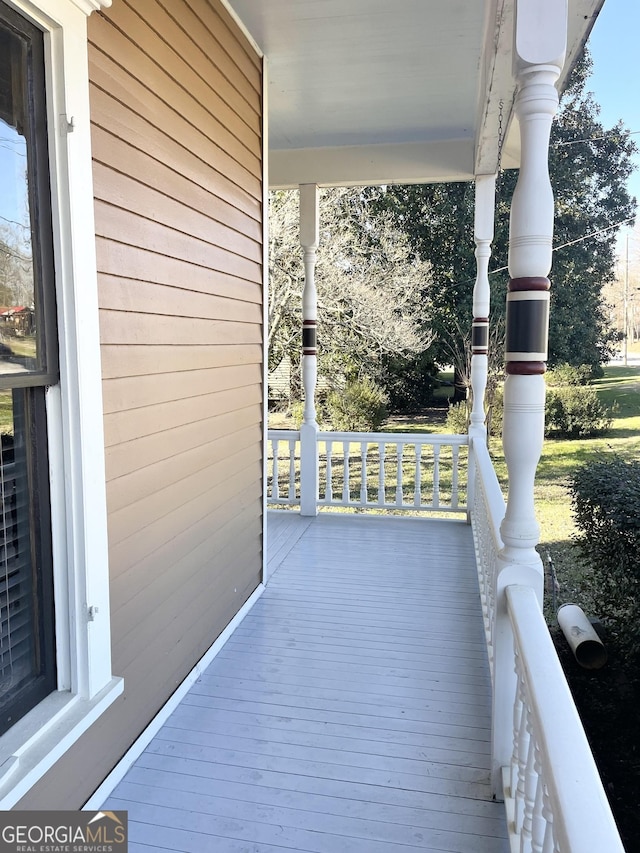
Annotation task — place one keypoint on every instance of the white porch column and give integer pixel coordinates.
(484, 216)
(540, 42)
(309, 235)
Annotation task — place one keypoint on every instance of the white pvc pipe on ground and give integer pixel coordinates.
(585, 644)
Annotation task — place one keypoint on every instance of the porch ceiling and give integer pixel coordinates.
(389, 91)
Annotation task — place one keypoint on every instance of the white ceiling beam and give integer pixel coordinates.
(366, 165)
(496, 86)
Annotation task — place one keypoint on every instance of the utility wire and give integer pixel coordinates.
(618, 133)
(555, 249)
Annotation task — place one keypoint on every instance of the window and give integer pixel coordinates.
(27, 364)
(55, 631)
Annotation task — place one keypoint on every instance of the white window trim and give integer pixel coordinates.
(86, 686)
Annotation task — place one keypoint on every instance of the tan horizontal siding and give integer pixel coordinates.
(149, 119)
(153, 448)
(138, 392)
(126, 426)
(130, 490)
(122, 191)
(182, 186)
(181, 590)
(119, 360)
(120, 327)
(114, 223)
(191, 68)
(238, 50)
(176, 111)
(231, 57)
(165, 97)
(205, 164)
(115, 258)
(173, 529)
(144, 297)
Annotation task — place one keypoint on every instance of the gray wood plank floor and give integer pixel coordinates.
(348, 713)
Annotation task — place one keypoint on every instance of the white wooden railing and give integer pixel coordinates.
(283, 467)
(553, 794)
(415, 473)
(486, 512)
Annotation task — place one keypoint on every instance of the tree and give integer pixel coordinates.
(372, 289)
(588, 166)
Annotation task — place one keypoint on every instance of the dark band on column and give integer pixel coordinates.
(532, 282)
(525, 368)
(309, 337)
(480, 336)
(527, 325)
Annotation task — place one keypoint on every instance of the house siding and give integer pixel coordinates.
(176, 134)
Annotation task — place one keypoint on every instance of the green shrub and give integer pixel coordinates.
(569, 374)
(361, 406)
(408, 382)
(457, 422)
(459, 415)
(296, 412)
(605, 495)
(575, 412)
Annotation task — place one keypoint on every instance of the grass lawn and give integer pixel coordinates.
(619, 389)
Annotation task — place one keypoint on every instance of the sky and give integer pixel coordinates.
(614, 44)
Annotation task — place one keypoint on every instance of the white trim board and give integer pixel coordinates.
(138, 747)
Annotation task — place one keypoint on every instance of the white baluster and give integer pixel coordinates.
(329, 489)
(363, 470)
(399, 473)
(292, 470)
(549, 845)
(539, 824)
(455, 451)
(381, 475)
(346, 496)
(523, 754)
(417, 491)
(518, 711)
(530, 785)
(436, 476)
(275, 486)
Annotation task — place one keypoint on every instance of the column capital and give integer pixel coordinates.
(540, 35)
(309, 216)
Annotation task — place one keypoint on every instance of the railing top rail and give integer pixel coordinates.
(493, 493)
(395, 437)
(283, 433)
(582, 817)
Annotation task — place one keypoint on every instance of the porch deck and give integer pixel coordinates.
(349, 712)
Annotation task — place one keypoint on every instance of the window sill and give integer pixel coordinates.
(40, 738)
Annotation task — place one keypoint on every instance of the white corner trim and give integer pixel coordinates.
(265, 315)
(138, 747)
(41, 737)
